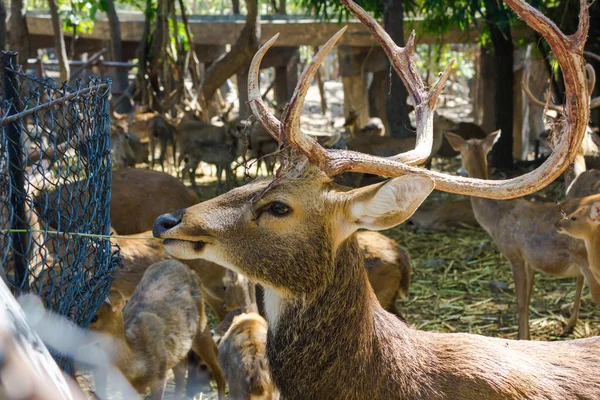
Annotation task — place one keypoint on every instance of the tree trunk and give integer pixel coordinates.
(502, 152)
(191, 60)
(141, 52)
(397, 110)
(282, 7)
(116, 46)
(59, 42)
(377, 98)
(2, 25)
(593, 44)
(235, 7)
(19, 34)
(238, 57)
(242, 83)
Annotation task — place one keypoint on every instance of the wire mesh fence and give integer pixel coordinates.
(55, 179)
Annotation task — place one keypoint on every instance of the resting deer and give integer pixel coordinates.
(138, 196)
(328, 336)
(127, 148)
(388, 268)
(583, 224)
(161, 322)
(444, 215)
(242, 340)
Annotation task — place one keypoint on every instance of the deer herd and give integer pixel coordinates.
(304, 290)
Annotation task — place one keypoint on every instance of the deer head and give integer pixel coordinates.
(287, 233)
(581, 223)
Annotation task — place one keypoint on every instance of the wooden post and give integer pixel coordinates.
(520, 145)
(281, 93)
(354, 79)
(16, 172)
(242, 81)
(378, 91)
(533, 116)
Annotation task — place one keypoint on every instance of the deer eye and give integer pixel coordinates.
(573, 218)
(279, 209)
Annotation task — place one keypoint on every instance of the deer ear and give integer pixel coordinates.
(386, 205)
(490, 140)
(595, 212)
(458, 143)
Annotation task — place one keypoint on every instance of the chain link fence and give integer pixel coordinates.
(55, 180)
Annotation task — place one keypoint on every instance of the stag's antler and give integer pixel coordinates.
(403, 64)
(568, 50)
(591, 83)
(534, 100)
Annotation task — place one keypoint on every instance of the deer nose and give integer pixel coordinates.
(164, 223)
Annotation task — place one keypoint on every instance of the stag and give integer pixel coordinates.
(328, 337)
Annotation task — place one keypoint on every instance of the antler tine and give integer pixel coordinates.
(591, 55)
(534, 100)
(595, 101)
(291, 115)
(262, 113)
(568, 50)
(400, 58)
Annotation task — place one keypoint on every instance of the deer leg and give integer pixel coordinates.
(205, 347)
(229, 179)
(523, 277)
(193, 174)
(593, 284)
(174, 153)
(152, 150)
(179, 372)
(219, 175)
(157, 389)
(163, 152)
(576, 304)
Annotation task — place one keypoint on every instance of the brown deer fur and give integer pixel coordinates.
(444, 215)
(136, 123)
(242, 338)
(138, 255)
(157, 327)
(328, 336)
(140, 195)
(585, 184)
(524, 233)
(388, 268)
(583, 224)
(243, 358)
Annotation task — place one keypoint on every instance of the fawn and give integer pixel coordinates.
(242, 339)
(583, 224)
(162, 321)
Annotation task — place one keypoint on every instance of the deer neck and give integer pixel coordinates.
(574, 170)
(592, 246)
(317, 343)
(487, 211)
